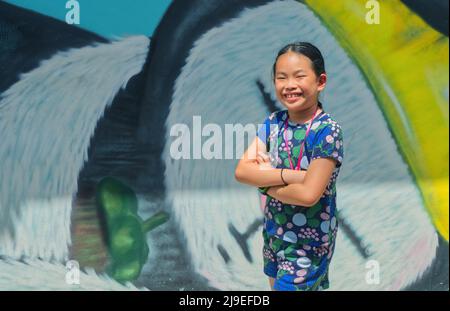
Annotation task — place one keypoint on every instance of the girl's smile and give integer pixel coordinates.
(292, 97)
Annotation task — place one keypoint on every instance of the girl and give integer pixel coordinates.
(306, 150)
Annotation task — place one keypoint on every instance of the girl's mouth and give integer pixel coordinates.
(292, 97)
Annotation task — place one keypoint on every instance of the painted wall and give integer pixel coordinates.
(86, 113)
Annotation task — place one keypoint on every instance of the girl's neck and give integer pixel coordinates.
(300, 117)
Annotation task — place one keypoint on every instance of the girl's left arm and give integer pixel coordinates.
(309, 192)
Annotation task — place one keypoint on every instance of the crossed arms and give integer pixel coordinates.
(304, 187)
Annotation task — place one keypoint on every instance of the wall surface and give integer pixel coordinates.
(88, 112)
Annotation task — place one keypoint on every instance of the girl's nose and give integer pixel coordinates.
(290, 84)
(290, 87)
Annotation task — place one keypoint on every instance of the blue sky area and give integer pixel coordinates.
(109, 18)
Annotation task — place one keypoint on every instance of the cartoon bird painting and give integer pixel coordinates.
(76, 108)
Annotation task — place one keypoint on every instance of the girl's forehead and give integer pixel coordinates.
(292, 61)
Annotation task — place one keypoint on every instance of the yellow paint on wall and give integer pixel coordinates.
(406, 64)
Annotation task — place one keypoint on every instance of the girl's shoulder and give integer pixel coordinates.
(325, 119)
(276, 118)
(327, 125)
(278, 115)
(328, 120)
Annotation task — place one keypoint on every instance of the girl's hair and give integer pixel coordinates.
(308, 50)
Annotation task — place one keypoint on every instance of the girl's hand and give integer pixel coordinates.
(263, 160)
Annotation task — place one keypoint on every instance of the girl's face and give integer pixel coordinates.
(296, 84)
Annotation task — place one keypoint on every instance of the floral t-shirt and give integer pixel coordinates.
(313, 226)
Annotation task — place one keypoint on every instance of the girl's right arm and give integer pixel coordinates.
(254, 169)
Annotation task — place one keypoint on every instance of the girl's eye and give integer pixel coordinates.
(301, 76)
(280, 78)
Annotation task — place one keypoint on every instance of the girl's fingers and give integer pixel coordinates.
(259, 160)
(264, 156)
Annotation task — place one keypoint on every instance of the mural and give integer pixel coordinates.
(87, 179)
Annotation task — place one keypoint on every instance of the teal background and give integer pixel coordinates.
(109, 18)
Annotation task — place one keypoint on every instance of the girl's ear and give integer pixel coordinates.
(322, 82)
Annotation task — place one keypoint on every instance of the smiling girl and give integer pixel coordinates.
(306, 152)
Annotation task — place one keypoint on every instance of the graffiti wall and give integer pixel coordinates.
(91, 196)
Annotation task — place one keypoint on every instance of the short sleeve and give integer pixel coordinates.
(264, 129)
(329, 144)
